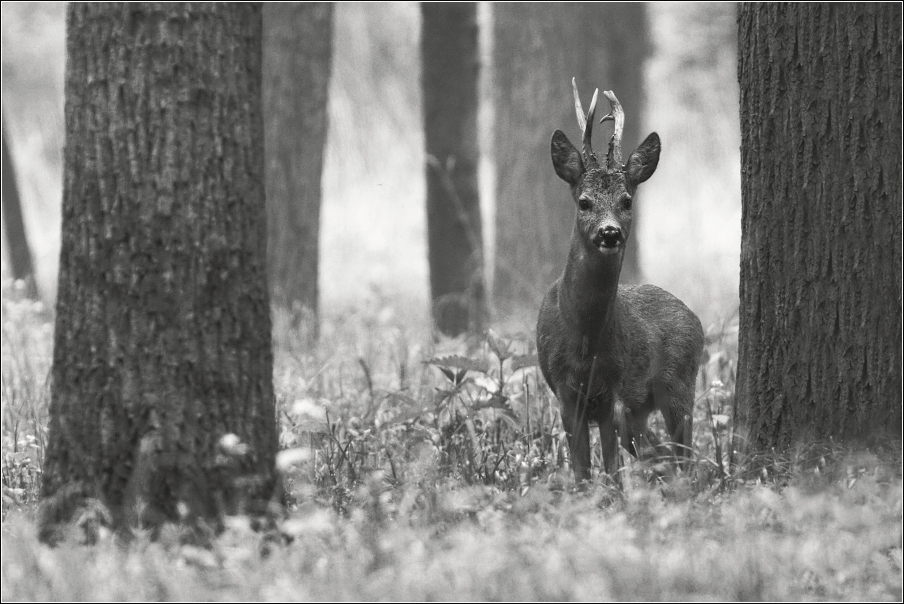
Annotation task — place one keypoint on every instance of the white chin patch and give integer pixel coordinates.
(608, 250)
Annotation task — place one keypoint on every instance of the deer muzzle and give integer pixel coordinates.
(608, 237)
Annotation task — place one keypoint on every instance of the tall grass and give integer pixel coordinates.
(417, 470)
(24, 367)
(477, 544)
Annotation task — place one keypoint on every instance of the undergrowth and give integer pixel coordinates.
(417, 470)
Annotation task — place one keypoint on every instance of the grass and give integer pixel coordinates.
(480, 543)
(426, 480)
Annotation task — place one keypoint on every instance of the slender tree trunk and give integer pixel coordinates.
(820, 331)
(16, 238)
(297, 56)
(538, 48)
(451, 65)
(162, 367)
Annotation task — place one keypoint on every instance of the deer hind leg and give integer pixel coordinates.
(677, 406)
(635, 436)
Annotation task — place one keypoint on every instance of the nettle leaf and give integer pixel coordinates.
(453, 376)
(522, 361)
(458, 362)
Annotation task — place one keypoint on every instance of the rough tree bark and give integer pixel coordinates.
(820, 322)
(20, 258)
(162, 340)
(538, 48)
(451, 64)
(297, 59)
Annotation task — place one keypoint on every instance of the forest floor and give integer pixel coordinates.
(421, 471)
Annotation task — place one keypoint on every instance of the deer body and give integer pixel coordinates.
(613, 354)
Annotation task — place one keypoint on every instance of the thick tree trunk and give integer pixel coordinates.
(538, 48)
(297, 55)
(820, 331)
(16, 238)
(162, 341)
(451, 65)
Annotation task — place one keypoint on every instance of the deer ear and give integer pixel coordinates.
(644, 160)
(566, 159)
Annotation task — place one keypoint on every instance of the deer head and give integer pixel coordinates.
(603, 194)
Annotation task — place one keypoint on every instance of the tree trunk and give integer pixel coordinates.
(162, 340)
(820, 322)
(297, 55)
(451, 64)
(16, 238)
(538, 48)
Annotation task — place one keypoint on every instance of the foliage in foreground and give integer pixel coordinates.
(448, 479)
(817, 539)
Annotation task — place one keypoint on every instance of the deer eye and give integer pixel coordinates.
(584, 204)
(626, 202)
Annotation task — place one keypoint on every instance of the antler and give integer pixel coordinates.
(617, 115)
(586, 124)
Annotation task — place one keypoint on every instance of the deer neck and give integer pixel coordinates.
(589, 290)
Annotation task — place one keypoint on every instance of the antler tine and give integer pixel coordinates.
(582, 121)
(614, 156)
(586, 124)
(588, 147)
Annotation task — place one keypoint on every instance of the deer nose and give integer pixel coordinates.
(608, 236)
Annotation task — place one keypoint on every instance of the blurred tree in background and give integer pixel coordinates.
(692, 205)
(373, 243)
(16, 238)
(451, 64)
(162, 337)
(538, 48)
(297, 66)
(33, 42)
(820, 331)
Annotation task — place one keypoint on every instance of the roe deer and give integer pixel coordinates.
(613, 353)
